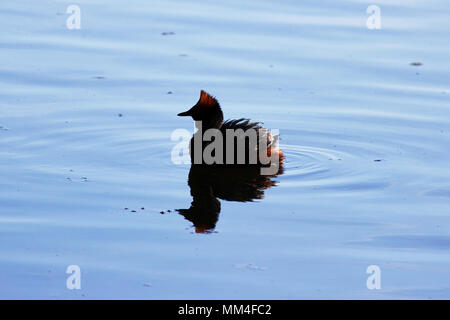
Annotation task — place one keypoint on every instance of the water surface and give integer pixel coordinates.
(86, 118)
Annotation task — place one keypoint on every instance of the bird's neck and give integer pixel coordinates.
(214, 121)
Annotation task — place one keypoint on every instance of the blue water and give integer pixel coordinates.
(366, 137)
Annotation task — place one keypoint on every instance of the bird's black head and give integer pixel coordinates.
(207, 110)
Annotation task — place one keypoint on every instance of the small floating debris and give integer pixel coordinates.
(169, 92)
(162, 212)
(250, 266)
(142, 208)
(146, 284)
(168, 211)
(378, 160)
(99, 77)
(416, 64)
(125, 208)
(169, 33)
(120, 115)
(133, 210)
(3, 128)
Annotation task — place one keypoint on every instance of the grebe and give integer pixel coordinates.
(208, 114)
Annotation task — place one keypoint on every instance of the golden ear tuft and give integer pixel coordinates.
(207, 99)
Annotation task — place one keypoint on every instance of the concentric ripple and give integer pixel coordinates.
(320, 168)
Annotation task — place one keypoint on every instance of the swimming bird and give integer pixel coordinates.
(243, 142)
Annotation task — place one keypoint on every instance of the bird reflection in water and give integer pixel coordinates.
(208, 184)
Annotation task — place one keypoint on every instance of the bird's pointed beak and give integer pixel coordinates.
(186, 113)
